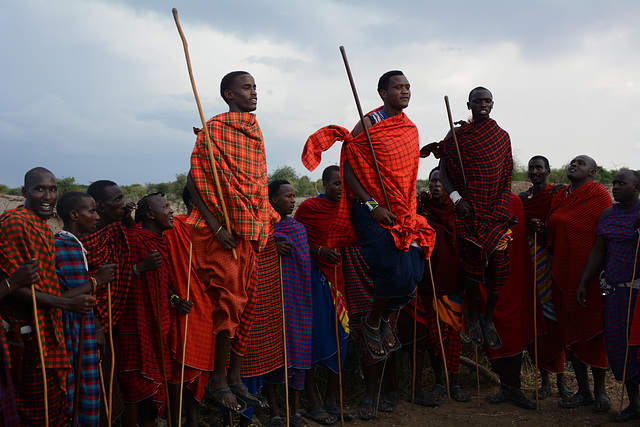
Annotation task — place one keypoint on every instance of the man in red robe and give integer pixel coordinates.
(25, 235)
(571, 229)
(187, 296)
(537, 203)
(236, 149)
(394, 240)
(476, 173)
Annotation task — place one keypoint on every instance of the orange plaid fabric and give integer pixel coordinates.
(395, 142)
(200, 340)
(24, 235)
(238, 151)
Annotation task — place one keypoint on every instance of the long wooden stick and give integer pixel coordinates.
(626, 353)
(364, 128)
(535, 315)
(455, 141)
(78, 378)
(102, 386)
(415, 344)
(184, 342)
(214, 168)
(284, 345)
(164, 367)
(113, 356)
(478, 375)
(444, 357)
(42, 365)
(335, 310)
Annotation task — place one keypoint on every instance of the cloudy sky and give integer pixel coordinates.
(100, 90)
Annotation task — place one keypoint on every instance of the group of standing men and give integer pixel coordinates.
(352, 257)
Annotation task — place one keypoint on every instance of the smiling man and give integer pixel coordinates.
(571, 230)
(240, 161)
(24, 235)
(142, 352)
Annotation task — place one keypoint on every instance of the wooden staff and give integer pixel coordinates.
(364, 127)
(626, 353)
(184, 342)
(164, 367)
(335, 285)
(415, 344)
(535, 315)
(444, 357)
(76, 396)
(104, 390)
(42, 365)
(214, 168)
(284, 345)
(455, 141)
(109, 408)
(478, 375)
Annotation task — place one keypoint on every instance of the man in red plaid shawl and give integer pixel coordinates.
(238, 152)
(482, 206)
(24, 235)
(394, 240)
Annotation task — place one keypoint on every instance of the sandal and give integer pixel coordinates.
(499, 397)
(628, 414)
(459, 395)
(320, 416)
(437, 390)
(426, 399)
(474, 330)
(335, 411)
(386, 330)
(217, 394)
(367, 409)
(392, 397)
(543, 393)
(490, 328)
(521, 400)
(297, 421)
(242, 392)
(372, 335)
(276, 422)
(602, 404)
(575, 401)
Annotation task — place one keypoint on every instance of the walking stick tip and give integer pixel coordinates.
(174, 11)
(342, 49)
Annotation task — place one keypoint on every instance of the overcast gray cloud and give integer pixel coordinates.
(99, 89)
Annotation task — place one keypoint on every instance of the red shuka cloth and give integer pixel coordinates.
(447, 272)
(199, 353)
(571, 230)
(110, 245)
(396, 145)
(317, 214)
(138, 343)
(513, 315)
(550, 348)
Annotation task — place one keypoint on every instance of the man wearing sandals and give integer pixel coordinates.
(394, 240)
(476, 173)
(615, 246)
(571, 230)
(226, 261)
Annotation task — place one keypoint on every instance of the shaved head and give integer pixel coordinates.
(34, 175)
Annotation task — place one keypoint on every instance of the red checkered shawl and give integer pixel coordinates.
(138, 344)
(200, 340)
(485, 149)
(571, 230)
(447, 272)
(109, 245)
(538, 206)
(24, 235)
(395, 142)
(238, 151)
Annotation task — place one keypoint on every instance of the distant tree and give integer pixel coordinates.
(283, 172)
(68, 183)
